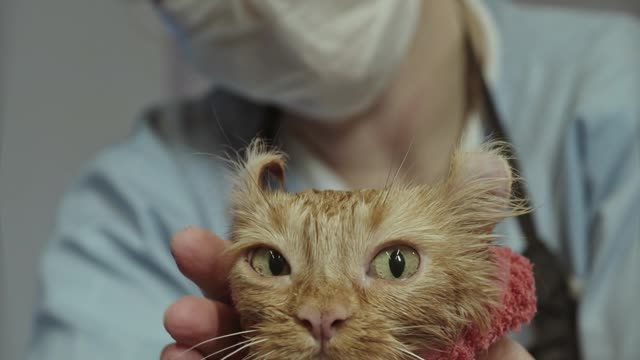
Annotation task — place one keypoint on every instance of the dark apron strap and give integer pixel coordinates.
(555, 323)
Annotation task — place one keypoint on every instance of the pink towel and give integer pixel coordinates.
(519, 306)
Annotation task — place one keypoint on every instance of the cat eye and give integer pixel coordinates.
(395, 263)
(269, 262)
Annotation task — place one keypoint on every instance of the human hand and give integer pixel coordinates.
(506, 349)
(192, 320)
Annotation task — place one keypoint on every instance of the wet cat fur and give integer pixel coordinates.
(329, 239)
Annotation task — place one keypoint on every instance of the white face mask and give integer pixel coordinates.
(320, 58)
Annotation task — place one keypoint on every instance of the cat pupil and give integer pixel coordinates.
(276, 262)
(396, 263)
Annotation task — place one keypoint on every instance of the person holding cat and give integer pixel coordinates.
(353, 89)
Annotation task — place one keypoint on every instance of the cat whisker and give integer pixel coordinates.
(233, 346)
(229, 159)
(385, 191)
(224, 158)
(410, 354)
(275, 137)
(212, 340)
(204, 153)
(387, 187)
(237, 137)
(250, 357)
(393, 152)
(257, 341)
(215, 116)
(262, 357)
(404, 159)
(257, 356)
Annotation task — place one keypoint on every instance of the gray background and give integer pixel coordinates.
(73, 76)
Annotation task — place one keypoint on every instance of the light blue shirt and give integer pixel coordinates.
(568, 91)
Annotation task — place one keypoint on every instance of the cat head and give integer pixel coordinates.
(369, 273)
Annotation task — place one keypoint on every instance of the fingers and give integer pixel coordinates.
(192, 320)
(175, 352)
(506, 349)
(199, 256)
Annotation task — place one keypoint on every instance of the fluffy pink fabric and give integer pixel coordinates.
(519, 306)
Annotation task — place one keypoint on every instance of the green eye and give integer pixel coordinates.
(395, 262)
(268, 262)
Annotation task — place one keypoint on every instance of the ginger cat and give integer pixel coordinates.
(368, 274)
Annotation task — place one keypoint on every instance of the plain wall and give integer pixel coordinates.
(3, 269)
(74, 74)
(626, 6)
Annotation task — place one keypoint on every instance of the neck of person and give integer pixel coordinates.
(417, 122)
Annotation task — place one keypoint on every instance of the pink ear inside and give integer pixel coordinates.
(486, 167)
(480, 184)
(271, 175)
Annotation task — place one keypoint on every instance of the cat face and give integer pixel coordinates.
(374, 274)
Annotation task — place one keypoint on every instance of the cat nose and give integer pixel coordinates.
(322, 324)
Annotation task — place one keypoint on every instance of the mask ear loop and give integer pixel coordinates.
(555, 324)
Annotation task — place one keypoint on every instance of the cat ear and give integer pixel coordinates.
(480, 189)
(262, 170)
(488, 171)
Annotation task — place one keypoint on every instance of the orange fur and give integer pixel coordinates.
(330, 237)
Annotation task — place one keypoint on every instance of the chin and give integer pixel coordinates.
(324, 356)
(321, 356)
(328, 351)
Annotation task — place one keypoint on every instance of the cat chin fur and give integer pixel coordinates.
(329, 238)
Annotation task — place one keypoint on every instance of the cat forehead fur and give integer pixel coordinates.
(329, 239)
